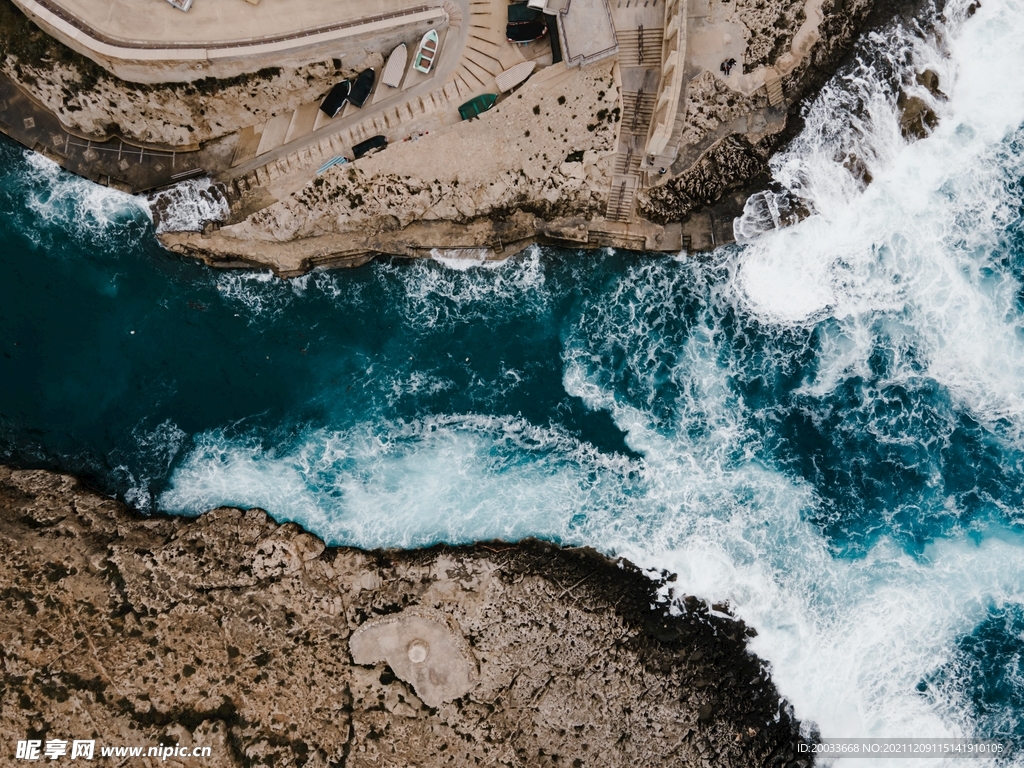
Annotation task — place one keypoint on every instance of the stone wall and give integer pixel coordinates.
(152, 64)
(673, 57)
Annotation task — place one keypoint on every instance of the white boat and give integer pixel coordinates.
(395, 68)
(514, 75)
(426, 53)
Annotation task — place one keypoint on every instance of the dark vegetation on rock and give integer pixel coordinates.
(730, 163)
(232, 632)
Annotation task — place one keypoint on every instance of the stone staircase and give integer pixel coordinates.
(641, 48)
(773, 87)
(481, 58)
(628, 162)
(637, 108)
(621, 200)
(454, 13)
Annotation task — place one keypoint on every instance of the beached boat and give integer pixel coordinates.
(362, 88)
(514, 75)
(426, 53)
(336, 99)
(477, 105)
(339, 160)
(395, 68)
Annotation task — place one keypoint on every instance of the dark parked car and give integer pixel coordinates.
(526, 31)
(362, 88)
(336, 99)
(372, 144)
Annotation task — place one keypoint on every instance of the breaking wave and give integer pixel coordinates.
(187, 206)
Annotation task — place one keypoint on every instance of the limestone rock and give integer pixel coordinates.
(424, 651)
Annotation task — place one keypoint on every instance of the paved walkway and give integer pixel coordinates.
(473, 52)
(639, 31)
(152, 23)
(113, 162)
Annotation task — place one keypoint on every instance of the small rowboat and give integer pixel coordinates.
(395, 68)
(477, 106)
(426, 53)
(514, 75)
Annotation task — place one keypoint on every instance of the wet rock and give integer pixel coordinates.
(930, 80)
(917, 118)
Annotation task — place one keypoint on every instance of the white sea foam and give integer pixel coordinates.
(188, 205)
(256, 294)
(917, 244)
(157, 447)
(452, 478)
(911, 258)
(848, 640)
(465, 258)
(68, 203)
(434, 295)
(764, 212)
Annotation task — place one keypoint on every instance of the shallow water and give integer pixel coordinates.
(824, 425)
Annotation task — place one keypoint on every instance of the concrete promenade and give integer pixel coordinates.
(111, 161)
(209, 40)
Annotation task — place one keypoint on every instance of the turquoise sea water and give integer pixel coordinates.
(823, 425)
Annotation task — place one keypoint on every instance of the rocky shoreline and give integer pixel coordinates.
(546, 165)
(233, 632)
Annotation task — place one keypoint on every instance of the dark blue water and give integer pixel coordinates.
(120, 361)
(107, 337)
(985, 674)
(825, 426)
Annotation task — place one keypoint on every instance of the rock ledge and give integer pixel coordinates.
(233, 632)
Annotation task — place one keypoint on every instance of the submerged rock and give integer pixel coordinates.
(232, 632)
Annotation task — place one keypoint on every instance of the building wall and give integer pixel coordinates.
(673, 56)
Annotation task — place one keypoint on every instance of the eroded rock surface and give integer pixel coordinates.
(423, 650)
(233, 632)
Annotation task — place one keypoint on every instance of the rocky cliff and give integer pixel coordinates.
(257, 641)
